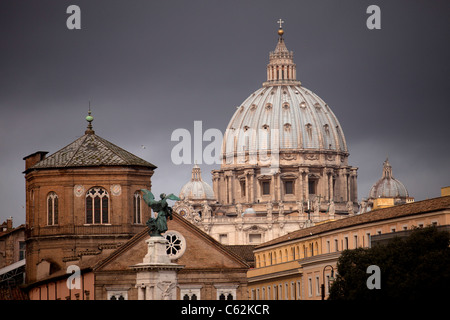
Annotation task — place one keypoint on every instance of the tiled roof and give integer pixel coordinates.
(12, 293)
(398, 211)
(91, 150)
(244, 251)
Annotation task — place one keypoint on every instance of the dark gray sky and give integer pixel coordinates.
(150, 67)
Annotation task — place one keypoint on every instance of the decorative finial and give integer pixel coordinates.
(281, 23)
(89, 119)
(280, 31)
(387, 169)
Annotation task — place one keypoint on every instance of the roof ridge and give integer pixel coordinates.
(79, 154)
(368, 217)
(209, 238)
(106, 142)
(75, 152)
(121, 249)
(137, 237)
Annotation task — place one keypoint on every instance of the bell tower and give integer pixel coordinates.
(82, 201)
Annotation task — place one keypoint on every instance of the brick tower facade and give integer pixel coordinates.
(81, 201)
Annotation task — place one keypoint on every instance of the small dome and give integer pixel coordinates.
(196, 189)
(388, 186)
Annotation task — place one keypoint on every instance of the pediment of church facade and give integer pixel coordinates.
(188, 246)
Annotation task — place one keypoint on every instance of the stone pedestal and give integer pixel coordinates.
(156, 276)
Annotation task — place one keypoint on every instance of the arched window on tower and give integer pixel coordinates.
(52, 209)
(97, 206)
(137, 207)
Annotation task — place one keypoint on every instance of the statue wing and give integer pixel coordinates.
(149, 198)
(172, 197)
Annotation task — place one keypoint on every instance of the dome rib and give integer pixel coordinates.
(312, 127)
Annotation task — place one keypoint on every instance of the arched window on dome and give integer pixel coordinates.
(137, 207)
(97, 206)
(52, 209)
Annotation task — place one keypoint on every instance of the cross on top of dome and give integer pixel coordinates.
(280, 30)
(280, 22)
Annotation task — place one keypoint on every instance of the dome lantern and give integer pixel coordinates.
(281, 69)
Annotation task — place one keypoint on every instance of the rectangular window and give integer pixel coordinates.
(336, 245)
(21, 250)
(310, 287)
(138, 211)
(289, 187)
(328, 246)
(265, 187)
(356, 241)
(105, 210)
(137, 208)
(243, 188)
(50, 210)
(345, 242)
(55, 210)
(223, 238)
(292, 291)
(88, 210)
(97, 209)
(254, 238)
(317, 286)
(311, 187)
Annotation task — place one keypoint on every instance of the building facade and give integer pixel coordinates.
(86, 233)
(205, 270)
(296, 265)
(81, 202)
(12, 258)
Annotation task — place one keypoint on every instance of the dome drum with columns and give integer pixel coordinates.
(284, 161)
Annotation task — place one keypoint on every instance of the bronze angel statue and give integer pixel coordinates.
(158, 225)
